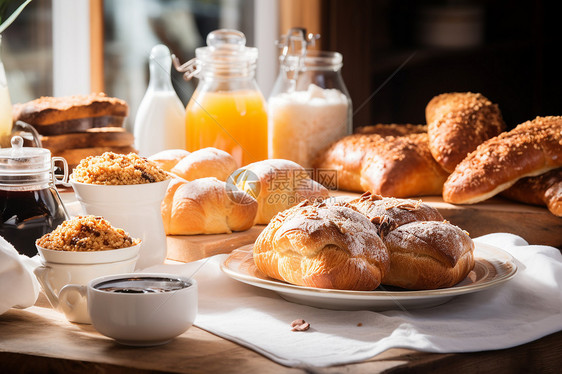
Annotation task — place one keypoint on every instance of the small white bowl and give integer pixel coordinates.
(136, 318)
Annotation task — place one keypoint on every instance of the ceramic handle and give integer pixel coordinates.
(70, 297)
(42, 274)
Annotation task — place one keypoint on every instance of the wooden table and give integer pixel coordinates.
(39, 339)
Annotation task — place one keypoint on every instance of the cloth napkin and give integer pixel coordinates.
(18, 285)
(525, 308)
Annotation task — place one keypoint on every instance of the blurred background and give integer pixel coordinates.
(398, 54)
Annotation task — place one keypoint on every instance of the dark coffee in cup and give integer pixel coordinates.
(134, 285)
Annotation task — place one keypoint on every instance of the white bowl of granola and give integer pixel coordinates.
(127, 190)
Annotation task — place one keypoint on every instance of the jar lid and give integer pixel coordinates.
(227, 48)
(24, 160)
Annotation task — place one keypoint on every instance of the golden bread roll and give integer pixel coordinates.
(544, 189)
(277, 185)
(168, 158)
(530, 149)
(322, 246)
(205, 162)
(206, 206)
(457, 123)
(392, 129)
(388, 213)
(399, 166)
(425, 251)
(428, 255)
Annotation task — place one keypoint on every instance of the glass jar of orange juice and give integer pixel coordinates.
(227, 109)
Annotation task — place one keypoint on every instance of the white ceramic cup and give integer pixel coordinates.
(138, 319)
(60, 268)
(134, 208)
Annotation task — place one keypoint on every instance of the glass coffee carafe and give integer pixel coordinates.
(30, 205)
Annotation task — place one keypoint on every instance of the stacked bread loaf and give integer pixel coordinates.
(463, 154)
(75, 127)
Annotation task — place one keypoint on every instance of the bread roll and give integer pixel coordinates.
(392, 129)
(399, 166)
(206, 162)
(544, 189)
(322, 246)
(387, 213)
(206, 206)
(428, 255)
(530, 149)
(425, 251)
(277, 185)
(457, 123)
(168, 158)
(203, 163)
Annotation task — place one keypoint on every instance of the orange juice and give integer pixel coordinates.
(234, 121)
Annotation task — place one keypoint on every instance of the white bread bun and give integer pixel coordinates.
(203, 163)
(206, 206)
(167, 159)
(277, 185)
(322, 246)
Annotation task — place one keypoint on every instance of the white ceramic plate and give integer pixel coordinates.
(493, 267)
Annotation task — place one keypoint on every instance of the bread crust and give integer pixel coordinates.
(316, 245)
(277, 185)
(428, 255)
(532, 148)
(168, 158)
(387, 213)
(51, 110)
(399, 166)
(457, 123)
(205, 206)
(426, 252)
(544, 189)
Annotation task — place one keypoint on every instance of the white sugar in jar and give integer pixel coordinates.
(302, 123)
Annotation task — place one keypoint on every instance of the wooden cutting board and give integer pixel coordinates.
(187, 248)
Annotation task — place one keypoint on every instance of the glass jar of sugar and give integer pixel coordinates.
(309, 107)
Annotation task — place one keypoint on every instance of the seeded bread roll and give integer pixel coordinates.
(457, 123)
(316, 245)
(399, 166)
(206, 206)
(544, 189)
(530, 149)
(392, 129)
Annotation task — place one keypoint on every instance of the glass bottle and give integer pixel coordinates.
(159, 123)
(5, 107)
(309, 106)
(227, 110)
(30, 205)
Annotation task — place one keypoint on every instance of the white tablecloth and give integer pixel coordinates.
(525, 308)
